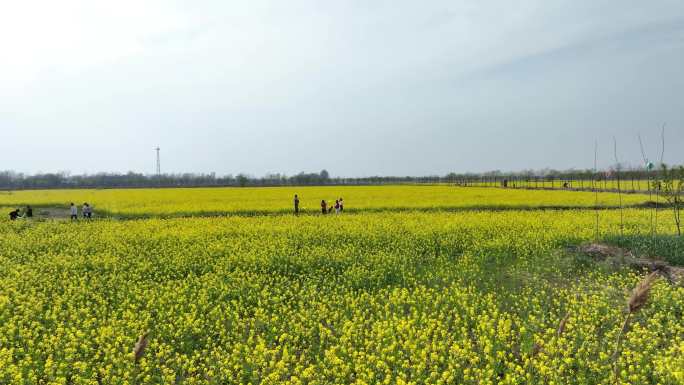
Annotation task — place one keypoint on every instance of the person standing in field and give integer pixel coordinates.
(324, 207)
(337, 206)
(87, 211)
(29, 212)
(341, 204)
(73, 211)
(296, 204)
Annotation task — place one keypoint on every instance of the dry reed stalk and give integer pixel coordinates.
(561, 325)
(538, 347)
(640, 294)
(635, 302)
(140, 346)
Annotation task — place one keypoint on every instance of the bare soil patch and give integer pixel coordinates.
(51, 213)
(618, 256)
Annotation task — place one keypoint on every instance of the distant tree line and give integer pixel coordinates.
(10, 180)
(14, 180)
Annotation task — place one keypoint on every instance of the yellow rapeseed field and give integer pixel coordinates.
(248, 201)
(443, 291)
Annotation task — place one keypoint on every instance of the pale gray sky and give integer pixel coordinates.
(356, 87)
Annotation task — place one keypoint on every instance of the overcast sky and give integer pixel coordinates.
(356, 87)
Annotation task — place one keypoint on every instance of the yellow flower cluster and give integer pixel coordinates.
(415, 297)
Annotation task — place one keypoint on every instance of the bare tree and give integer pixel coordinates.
(673, 187)
(617, 174)
(648, 166)
(659, 184)
(593, 183)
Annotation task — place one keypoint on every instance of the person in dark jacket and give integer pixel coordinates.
(296, 204)
(324, 207)
(29, 212)
(14, 214)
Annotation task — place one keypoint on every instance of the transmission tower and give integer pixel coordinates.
(158, 163)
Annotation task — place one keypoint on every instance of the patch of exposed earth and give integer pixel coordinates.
(618, 256)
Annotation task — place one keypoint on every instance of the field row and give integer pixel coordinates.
(249, 201)
(612, 184)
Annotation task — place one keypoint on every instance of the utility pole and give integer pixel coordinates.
(158, 164)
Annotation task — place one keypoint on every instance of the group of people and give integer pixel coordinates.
(86, 211)
(16, 214)
(325, 207)
(328, 208)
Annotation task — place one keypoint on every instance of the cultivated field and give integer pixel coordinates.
(629, 185)
(422, 285)
(277, 200)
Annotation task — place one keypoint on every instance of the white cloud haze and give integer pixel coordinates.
(357, 87)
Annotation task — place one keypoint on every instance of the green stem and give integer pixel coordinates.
(618, 346)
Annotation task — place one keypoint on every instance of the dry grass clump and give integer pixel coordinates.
(602, 252)
(618, 257)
